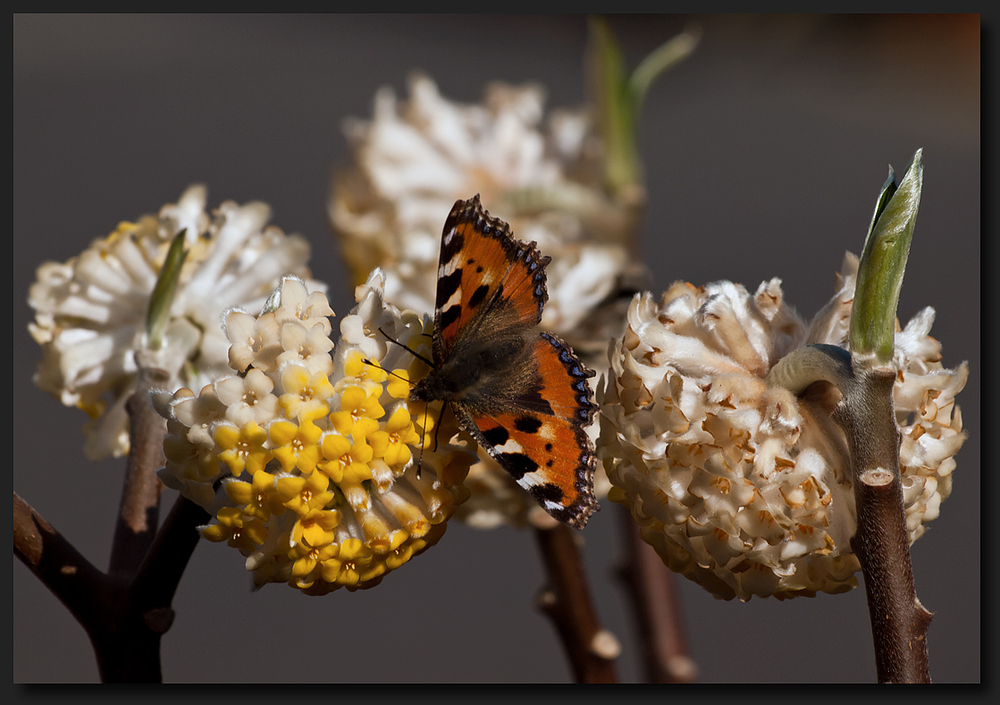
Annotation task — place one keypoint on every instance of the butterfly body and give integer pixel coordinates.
(521, 393)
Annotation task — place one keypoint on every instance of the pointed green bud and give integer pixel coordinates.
(163, 293)
(664, 58)
(613, 102)
(618, 97)
(273, 302)
(883, 261)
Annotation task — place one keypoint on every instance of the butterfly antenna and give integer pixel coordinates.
(423, 439)
(437, 429)
(407, 348)
(391, 373)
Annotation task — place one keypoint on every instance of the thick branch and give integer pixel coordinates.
(60, 567)
(124, 622)
(656, 607)
(899, 621)
(566, 600)
(126, 612)
(138, 511)
(128, 644)
(176, 540)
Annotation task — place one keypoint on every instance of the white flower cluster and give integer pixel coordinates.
(414, 159)
(90, 312)
(741, 486)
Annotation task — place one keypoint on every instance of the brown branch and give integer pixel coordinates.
(656, 608)
(128, 644)
(138, 511)
(899, 621)
(566, 600)
(56, 562)
(161, 571)
(126, 611)
(98, 602)
(124, 622)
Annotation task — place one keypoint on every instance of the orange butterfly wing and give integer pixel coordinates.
(484, 276)
(541, 440)
(522, 394)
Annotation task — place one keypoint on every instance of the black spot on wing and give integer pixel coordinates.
(497, 436)
(448, 317)
(478, 296)
(447, 286)
(517, 464)
(451, 245)
(527, 424)
(547, 492)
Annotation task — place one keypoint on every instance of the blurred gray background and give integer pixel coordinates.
(764, 153)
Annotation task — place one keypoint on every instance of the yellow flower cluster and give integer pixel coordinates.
(303, 458)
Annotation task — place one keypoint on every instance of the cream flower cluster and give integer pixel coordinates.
(305, 459)
(90, 311)
(415, 158)
(741, 486)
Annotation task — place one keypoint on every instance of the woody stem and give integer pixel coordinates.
(126, 611)
(566, 600)
(899, 621)
(656, 606)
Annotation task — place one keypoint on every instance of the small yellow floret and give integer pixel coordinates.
(364, 370)
(302, 494)
(242, 448)
(399, 384)
(355, 404)
(296, 446)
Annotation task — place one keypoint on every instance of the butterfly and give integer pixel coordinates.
(521, 393)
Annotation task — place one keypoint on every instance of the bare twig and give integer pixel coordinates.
(124, 621)
(140, 501)
(656, 606)
(70, 576)
(99, 602)
(127, 643)
(566, 600)
(126, 611)
(899, 621)
(161, 571)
